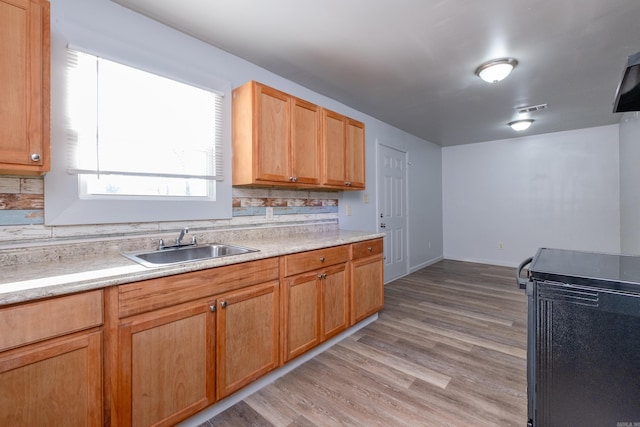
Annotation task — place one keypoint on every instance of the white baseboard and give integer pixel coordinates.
(484, 261)
(213, 410)
(425, 264)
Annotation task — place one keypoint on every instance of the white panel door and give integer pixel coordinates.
(392, 210)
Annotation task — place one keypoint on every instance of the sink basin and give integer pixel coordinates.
(186, 254)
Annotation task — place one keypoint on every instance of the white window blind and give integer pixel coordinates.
(138, 126)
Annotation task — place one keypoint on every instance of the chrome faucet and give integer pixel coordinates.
(181, 236)
(178, 242)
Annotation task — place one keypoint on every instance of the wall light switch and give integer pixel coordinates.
(365, 198)
(348, 210)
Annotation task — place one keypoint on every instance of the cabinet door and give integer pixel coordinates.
(355, 160)
(273, 143)
(334, 150)
(166, 364)
(367, 287)
(301, 316)
(24, 86)
(305, 142)
(247, 336)
(334, 301)
(53, 383)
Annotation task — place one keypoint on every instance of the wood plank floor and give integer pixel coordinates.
(449, 349)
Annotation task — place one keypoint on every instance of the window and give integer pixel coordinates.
(136, 134)
(143, 152)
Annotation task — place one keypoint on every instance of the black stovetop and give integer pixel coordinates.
(612, 271)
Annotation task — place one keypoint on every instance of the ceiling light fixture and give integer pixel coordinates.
(519, 125)
(495, 70)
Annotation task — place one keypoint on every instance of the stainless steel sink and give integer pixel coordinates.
(186, 254)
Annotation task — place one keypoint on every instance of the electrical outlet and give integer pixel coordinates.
(269, 213)
(365, 198)
(429, 245)
(348, 210)
(500, 246)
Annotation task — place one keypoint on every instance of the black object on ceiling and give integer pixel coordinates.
(628, 93)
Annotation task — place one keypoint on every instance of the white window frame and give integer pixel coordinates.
(64, 204)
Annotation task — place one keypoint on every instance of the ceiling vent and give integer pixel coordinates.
(531, 108)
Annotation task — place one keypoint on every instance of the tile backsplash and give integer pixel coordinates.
(22, 213)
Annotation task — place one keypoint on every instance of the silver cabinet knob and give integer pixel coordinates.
(35, 157)
(223, 304)
(212, 307)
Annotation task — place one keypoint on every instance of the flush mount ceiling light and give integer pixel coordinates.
(519, 125)
(495, 70)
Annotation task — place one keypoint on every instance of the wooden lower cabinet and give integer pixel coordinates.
(316, 306)
(167, 365)
(301, 320)
(334, 301)
(247, 336)
(367, 279)
(51, 361)
(57, 382)
(179, 360)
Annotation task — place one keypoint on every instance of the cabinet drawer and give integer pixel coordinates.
(40, 320)
(313, 260)
(147, 295)
(366, 248)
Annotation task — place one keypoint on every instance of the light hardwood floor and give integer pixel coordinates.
(449, 349)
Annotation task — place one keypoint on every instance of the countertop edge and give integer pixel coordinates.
(87, 274)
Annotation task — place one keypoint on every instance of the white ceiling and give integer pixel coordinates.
(411, 63)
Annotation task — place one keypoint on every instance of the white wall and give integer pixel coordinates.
(630, 184)
(91, 23)
(425, 203)
(556, 190)
(424, 194)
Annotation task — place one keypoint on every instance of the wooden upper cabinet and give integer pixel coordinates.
(334, 142)
(24, 86)
(343, 164)
(355, 158)
(272, 137)
(276, 138)
(305, 142)
(281, 140)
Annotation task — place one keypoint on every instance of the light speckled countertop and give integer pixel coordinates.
(30, 281)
